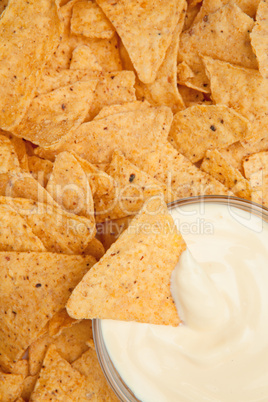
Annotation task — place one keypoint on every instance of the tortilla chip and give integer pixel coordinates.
(89, 20)
(239, 88)
(164, 90)
(31, 293)
(69, 186)
(256, 171)
(178, 174)
(58, 381)
(8, 157)
(15, 234)
(191, 13)
(10, 387)
(112, 89)
(71, 344)
(199, 128)
(26, 50)
(83, 58)
(95, 248)
(133, 188)
(222, 35)
(259, 38)
(128, 280)
(234, 155)
(124, 107)
(210, 6)
(109, 231)
(53, 115)
(40, 169)
(28, 387)
(105, 50)
(60, 321)
(215, 164)
(96, 141)
(20, 148)
(59, 231)
(146, 30)
(184, 72)
(193, 97)
(3, 4)
(257, 140)
(21, 367)
(89, 366)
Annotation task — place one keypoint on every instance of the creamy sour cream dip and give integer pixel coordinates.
(220, 286)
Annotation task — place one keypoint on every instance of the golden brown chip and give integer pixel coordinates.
(109, 231)
(256, 171)
(70, 343)
(97, 140)
(28, 387)
(88, 365)
(11, 386)
(58, 381)
(21, 367)
(89, 20)
(40, 169)
(26, 50)
(259, 38)
(124, 107)
(8, 157)
(68, 185)
(164, 90)
(215, 164)
(199, 128)
(20, 146)
(146, 30)
(222, 35)
(210, 6)
(191, 13)
(31, 293)
(60, 321)
(84, 58)
(133, 283)
(234, 155)
(53, 115)
(193, 97)
(95, 248)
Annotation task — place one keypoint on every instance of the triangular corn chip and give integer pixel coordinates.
(132, 280)
(132, 188)
(28, 387)
(89, 20)
(11, 386)
(215, 164)
(146, 30)
(27, 50)
(192, 97)
(210, 6)
(84, 58)
(88, 365)
(15, 234)
(234, 155)
(97, 140)
(200, 128)
(222, 35)
(191, 13)
(20, 148)
(58, 381)
(60, 321)
(164, 90)
(33, 287)
(53, 115)
(8, 157)
(59, 231)
(40, 169)
(68, 185)
(259, 38)
(95, 248)
(256, 171)
(109, 231)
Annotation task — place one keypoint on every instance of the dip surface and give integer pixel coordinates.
(220, 353)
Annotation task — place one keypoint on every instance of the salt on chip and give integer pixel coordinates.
(199, 128)
(256, 171)
(84, 58)
(95, 248)
(40, 169)
(31, 293)
(53, 115)
(70, 343)
(133, 188)
(178, 173)
(242, 89)
(58, 381)
(146, 30)
(215, 164)
(133, 283)
(26, 50)
(10, 387)
(8, 157)
(259, 38)
(68, 185)
(96, 141)
(15, 234)
(164, 90)
(59, 231)
(222, 35)
(89, 366)
(89, 20)
(210, 6)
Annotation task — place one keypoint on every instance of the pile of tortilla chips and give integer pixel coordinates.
(110, 109)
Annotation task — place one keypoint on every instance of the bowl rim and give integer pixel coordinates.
(112, 376)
